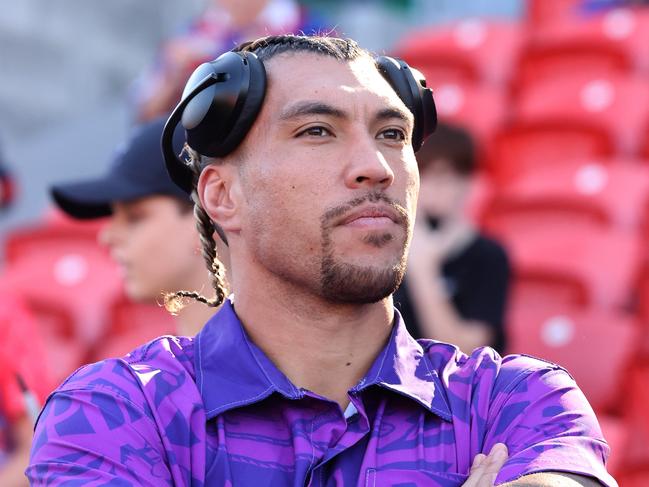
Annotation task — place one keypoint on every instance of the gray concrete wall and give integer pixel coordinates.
(65, 69)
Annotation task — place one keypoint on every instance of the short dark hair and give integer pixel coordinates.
(451, 143)
(270, 46)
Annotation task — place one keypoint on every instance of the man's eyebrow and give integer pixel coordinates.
(305, 108)
(392, 113)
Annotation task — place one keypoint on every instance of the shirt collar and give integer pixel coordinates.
(231, 371)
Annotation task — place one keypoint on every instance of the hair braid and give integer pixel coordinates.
(175, 301)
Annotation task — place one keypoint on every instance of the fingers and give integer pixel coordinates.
(495, 460)
(485, 468)
(477, 461)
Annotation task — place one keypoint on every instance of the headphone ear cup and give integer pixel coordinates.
(217, 119)
(253, 100)
(410, 85)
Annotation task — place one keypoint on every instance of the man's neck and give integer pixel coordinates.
(320, 346)
(192, 317)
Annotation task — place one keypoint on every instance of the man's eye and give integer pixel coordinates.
(316, 132)
(392, 134)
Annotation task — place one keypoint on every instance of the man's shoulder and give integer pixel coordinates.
(154, 368)
(484, 368)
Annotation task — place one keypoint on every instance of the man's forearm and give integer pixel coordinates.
(553, 479)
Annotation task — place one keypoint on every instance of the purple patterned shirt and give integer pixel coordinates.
(215, 410)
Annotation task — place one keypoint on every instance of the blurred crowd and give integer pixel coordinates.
(530, 235)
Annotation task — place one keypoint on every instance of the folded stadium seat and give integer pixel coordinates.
(55, 328)
(553, 288)
(636, 401)
(612, 191)
(62, 268)
(633, 477)
(55, 229)
(524, 146)
(617, 432)
(562, 243)
(595, 344)
(542, 61)
(641, 306)
(542, 13)
(469, 50)
(131, 325)
(481, 109)
(616, 103)
(620, 35)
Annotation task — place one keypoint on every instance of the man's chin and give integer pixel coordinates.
(357, 284)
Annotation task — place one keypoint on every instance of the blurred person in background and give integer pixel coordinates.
(24, 385)
(224, 24)
(457, 282)
(151, 231)
(24, 381)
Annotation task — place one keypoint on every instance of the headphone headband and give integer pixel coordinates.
(223, 97)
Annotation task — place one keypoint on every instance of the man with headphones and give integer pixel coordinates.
(301, 153)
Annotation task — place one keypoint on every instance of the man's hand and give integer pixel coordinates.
(485, 468)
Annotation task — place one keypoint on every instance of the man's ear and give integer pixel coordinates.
(220, 195)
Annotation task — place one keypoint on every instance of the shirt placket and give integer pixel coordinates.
(356, 428)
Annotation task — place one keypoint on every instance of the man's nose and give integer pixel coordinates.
(367, 165)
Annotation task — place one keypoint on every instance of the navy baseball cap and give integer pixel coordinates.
(138, 170)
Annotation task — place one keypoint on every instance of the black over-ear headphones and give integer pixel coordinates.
(222, 98)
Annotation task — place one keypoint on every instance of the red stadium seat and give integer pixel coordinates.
(56, 268)
(620, 35)
(546, 61)
(615, 103)
(594, 344)
(614, 192)
(22, 243)
(55, 327)
(554, 242)
(552, 288)
(617, 433)
(526, 146)
(541, 13)
(470, 50)
(481, 109)
(636, 401)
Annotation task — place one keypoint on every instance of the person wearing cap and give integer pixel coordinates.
(151, 231)
(302, 151)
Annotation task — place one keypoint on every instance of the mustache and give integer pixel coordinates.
(331, 216)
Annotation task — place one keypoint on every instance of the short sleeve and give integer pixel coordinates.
(96, 437)
(547, 425)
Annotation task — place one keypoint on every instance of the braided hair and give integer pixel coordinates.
(265, 48)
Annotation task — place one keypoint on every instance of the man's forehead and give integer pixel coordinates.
(302, 73)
